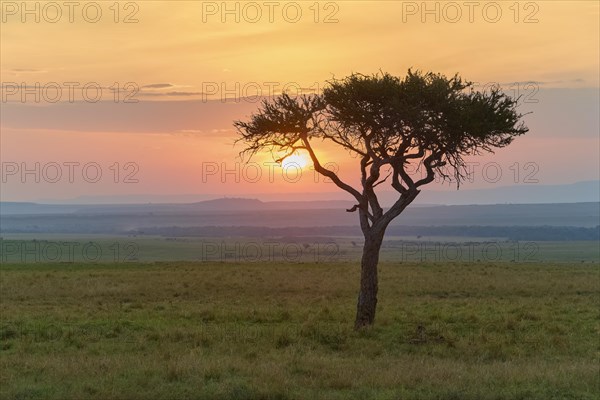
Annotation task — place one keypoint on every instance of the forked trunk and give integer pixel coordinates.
(367, 297)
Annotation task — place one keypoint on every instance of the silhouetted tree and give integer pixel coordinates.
(393, 126)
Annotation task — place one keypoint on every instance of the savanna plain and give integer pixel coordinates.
(284, 330)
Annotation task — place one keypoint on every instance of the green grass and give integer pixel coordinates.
(284, 331)
(40, 248)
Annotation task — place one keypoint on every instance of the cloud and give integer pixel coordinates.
(30, 70)
(173, 94)
(157, 86)
(205, 132)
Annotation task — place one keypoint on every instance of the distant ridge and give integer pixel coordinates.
(532, 193)
(221, 204)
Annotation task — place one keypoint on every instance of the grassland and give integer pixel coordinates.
(284, 331)
(40, 248)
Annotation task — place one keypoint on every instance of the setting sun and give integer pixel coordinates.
(294, 161)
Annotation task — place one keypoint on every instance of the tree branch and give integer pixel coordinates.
(330, 174)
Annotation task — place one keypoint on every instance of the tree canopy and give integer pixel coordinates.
(424, 120)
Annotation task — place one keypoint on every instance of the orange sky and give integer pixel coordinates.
(182, 55)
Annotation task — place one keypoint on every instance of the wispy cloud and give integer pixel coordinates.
(26, 70)
(176, 93)
(157, 86)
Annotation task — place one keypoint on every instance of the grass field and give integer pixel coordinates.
(61, 248)
(284, 331)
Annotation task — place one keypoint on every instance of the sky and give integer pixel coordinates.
(185, 70)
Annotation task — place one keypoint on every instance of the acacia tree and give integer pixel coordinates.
(393, 127)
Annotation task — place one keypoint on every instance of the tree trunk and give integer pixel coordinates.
(367, 297)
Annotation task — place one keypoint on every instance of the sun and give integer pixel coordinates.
(294, 161)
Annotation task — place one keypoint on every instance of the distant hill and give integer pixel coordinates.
(223, 204)
(579, 192)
